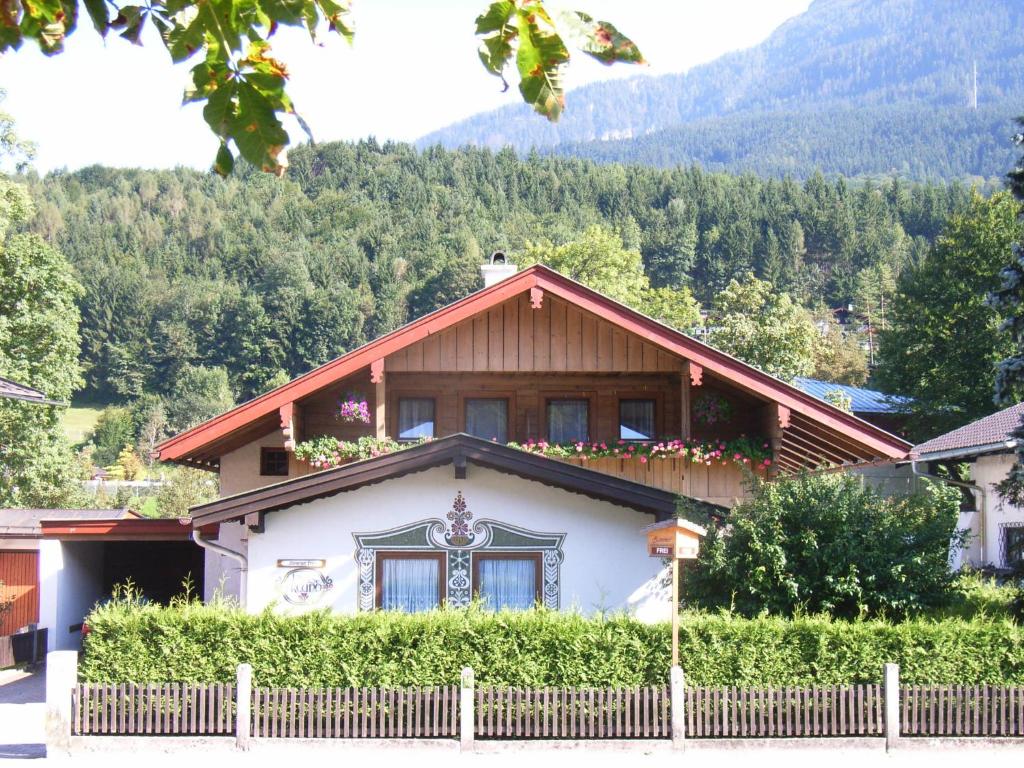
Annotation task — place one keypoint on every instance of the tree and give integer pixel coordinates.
(1008, 300)
(38, 348)
(244, 86)
(943, 341)
(183, 488)
(822, 543)
(200, 393)
(838, 354)
(752, 321)
(600, 260)
(114, 429)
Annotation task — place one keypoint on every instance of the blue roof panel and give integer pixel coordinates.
(863, 400)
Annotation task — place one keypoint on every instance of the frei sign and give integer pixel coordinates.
(675, 539)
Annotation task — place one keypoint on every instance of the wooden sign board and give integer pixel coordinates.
(676, 539)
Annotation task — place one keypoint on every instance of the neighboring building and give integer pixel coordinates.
(59, 563)
(12, 390)
(886, 411)
(533, 356)
(996, 527)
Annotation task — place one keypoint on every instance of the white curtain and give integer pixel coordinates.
(409, 585)
(508, 584)
(415, 418)
(487, 418)
(567, 421)
(636, 419)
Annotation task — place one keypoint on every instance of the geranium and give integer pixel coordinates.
(352, 409)
(710, 409)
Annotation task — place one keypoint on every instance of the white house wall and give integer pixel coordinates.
(986, 472)
(70, 584)
(222, 575)
(604, 564)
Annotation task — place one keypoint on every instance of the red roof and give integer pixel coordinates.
(742, 375)
(990, 431)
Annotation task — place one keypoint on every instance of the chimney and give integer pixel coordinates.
(497, 269)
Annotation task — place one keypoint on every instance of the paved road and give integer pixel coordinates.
(21, 714)
(21, 736)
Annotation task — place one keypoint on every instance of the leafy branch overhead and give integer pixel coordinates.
(244, 87)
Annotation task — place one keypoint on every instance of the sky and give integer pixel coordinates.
(413, 69)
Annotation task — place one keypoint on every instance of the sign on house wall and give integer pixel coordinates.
(305, 583)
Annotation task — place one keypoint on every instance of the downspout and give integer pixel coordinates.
(982, 508)
(241, 559)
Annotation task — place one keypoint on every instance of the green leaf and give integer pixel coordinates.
(131, 18)
(224, 163)
(539, 59)
(599, 39)
(256, 130)
(339, 17)
(220, 109)
(98, 12)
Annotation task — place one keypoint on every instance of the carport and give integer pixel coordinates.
(80, 562)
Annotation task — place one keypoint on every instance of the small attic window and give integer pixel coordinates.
(274, 462)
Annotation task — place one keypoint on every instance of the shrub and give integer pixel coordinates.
(823, 544)
(135, 642)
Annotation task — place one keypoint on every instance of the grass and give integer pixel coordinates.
(79, 421)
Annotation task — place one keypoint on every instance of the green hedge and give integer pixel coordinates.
(194, 642)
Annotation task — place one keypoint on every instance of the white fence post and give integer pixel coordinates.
(677, 707)
(243, 706)
(467, 720)
(61, 678)
(891, 677)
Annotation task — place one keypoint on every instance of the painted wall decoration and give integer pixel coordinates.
(459, 536)
(304, 586)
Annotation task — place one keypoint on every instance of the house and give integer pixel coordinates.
(542, 427)
(988, 447)
(886, 411)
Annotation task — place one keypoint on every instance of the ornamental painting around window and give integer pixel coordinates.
(459, 538)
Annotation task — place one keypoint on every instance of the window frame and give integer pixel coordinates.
(442, 570)
(588, 397)
(510, 405)
(656, 420)
(265, 452)
(1012, 529)
(396, 408)
(538, 564)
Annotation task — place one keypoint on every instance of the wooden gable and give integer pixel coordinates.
(516, 337)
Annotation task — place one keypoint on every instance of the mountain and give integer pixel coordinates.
(884, 73)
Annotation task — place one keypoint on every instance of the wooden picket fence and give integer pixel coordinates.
(546, 713)
(193, 709)
(961, 710)
(573, 713)
(392, 713)
(841, 710)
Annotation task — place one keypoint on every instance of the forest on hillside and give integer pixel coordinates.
(913, 141)
(268, 278)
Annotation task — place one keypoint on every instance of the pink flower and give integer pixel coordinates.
(632, 448)
(643, 460)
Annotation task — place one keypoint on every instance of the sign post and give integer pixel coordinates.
(677, 540)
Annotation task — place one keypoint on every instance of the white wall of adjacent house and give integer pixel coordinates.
(986, 472)
(605, 565)
(222, 575)
(70, 584)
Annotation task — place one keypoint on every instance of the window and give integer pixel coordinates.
(568, 421)
(636, 420)
(1013, 542)
(274, 461)
(415, 418)
(507, 580)
(487, 417)
(409, 581)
